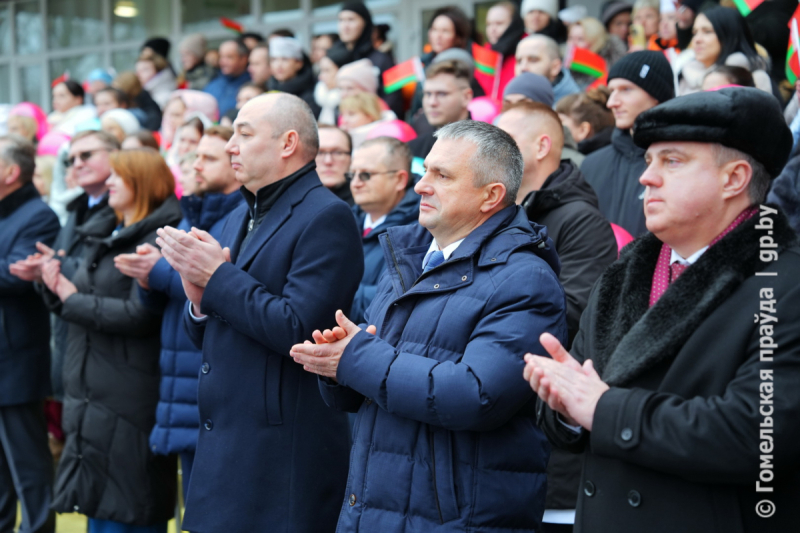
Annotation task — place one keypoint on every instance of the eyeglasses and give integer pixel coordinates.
(365, 176)
(84, 156)
(335, 154)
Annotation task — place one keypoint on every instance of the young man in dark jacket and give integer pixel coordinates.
(638, 82)
(554, 194)
(685, 405)
(216, 196)
(26, 467)
(383, 189)
(445, 439)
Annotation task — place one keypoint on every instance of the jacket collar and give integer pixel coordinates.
(563, 186)
(278, 213)
(630, 337)
(489, 245)
(206, 210)
(406, 212)
(16, 199)
(623, 143)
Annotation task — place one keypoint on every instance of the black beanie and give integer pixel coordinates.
(649, 70)
(158, 45)
(360, 9)
(743, 118)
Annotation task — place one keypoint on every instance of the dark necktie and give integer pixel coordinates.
(435, 259)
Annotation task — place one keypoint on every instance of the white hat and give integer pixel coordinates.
(548, 6)
(285, 47)
(124, 118)
(667, 6)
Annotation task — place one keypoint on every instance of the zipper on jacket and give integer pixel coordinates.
(396, 265)
(433, 471)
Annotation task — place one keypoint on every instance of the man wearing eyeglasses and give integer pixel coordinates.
(380, 179)
(88, 160)
(333, 161)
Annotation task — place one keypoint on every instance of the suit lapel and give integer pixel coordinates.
(274, 219)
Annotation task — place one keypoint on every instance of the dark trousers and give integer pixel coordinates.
(26, 469)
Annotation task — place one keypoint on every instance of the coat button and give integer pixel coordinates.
(463, 278)
(627, 434)
(80, 456)
(588, 489)
(634, 498)
(368, 401)
(208, 425)
(352, 500)
(154, 447)
(436, 286)
(76, 508)
(494, 259)
(205, 368)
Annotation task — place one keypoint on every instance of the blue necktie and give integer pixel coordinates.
(434, 260)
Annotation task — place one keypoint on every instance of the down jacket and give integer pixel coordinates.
(111, 384)
(177, 418)
(445, 439)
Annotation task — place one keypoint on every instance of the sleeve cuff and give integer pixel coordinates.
(193, 316)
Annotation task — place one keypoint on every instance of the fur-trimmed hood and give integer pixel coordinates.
(630, 337)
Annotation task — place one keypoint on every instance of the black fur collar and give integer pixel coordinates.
(16, 199)
(630, 337)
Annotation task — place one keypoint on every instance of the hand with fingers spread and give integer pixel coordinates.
(195, 255)
(569, 388)
(30, 268)
(56, 281)
(323, 357)
(138, 265)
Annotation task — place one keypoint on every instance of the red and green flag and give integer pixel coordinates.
(792, 60)
(486, 60)
(403, 74)
(231, 25)
(64, 77)
(746, 7)
(586, 62)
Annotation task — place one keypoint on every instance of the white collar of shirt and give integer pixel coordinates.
(447, 252)
(370, 224)
(94, 201)
(675, 258)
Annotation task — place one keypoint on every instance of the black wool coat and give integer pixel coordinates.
(111, 380)
(675, 444)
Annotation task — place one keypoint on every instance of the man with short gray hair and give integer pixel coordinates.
(270, 455)
(26, 466)
(445, 438)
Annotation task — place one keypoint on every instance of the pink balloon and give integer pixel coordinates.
(396, 129)
(484, 109)
(51, 142)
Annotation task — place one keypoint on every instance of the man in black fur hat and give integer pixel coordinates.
(682, 383)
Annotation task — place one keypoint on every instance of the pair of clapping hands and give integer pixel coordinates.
(44, 267)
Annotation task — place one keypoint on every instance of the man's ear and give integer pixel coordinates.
(737, 177)
(291, 143)
(11, 174)
(402, 180)
(494, 195)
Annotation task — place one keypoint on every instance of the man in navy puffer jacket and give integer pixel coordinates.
(445, 438)
(217, 194)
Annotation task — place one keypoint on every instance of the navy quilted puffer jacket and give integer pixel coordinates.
(445, 438)
(177, 417)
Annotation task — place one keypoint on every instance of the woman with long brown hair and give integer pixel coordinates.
(111, 374)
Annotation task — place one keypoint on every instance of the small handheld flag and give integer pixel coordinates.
(792, 60)
(586, 62)
(403, 74)
(231, 25)
(746, 7)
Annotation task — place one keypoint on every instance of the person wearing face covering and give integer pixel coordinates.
(291, 71)
(355, 34)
